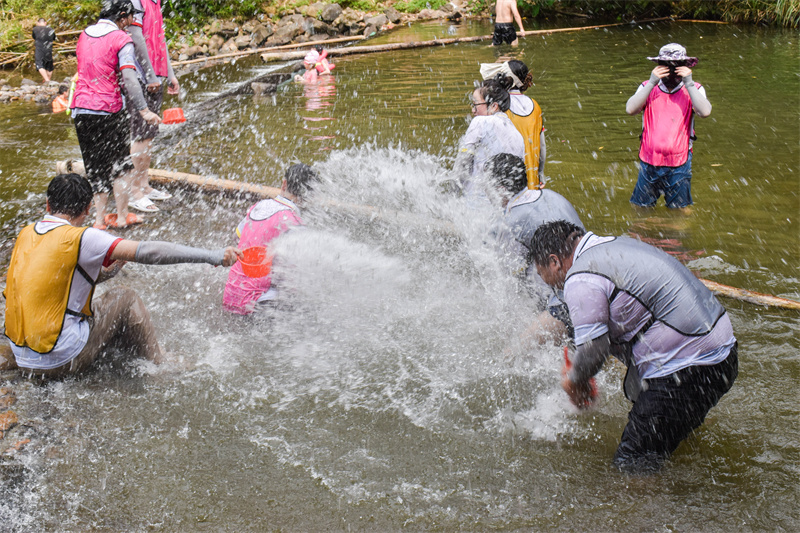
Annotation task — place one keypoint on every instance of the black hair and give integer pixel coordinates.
(299, 178)
(508, 171)
(554, 238)
(492, 92)
(40, 20)
(319, 48)
(116, 9)
(69, 194)
(521, 71)
(63, 89)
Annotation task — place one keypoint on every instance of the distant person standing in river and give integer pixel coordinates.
(43, 37)
(154, 67)
(670, 99)
(490, 132)
(505, 14)
(524, 112)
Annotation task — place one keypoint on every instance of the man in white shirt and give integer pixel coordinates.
(54, 327)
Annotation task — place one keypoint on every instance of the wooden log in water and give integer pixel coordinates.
(288, 56)
(767, 300)
(238, 188)
(243, 53)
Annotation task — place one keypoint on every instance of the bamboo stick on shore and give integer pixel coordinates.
(231, 187)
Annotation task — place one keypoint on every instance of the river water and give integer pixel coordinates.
(392, 393)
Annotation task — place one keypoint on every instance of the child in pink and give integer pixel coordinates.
(265, 221)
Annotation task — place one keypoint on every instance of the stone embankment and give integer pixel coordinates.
(29, 91)
(308, 24)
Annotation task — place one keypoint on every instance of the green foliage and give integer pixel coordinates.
(415, 6)
(360, 5)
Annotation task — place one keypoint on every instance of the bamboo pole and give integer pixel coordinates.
(287, 56)
(268, 48)
(232, 187)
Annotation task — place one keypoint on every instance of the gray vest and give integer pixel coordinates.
(523, 220)
(672, 294)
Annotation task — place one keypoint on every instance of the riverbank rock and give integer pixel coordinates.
(392, 15)
(330, 12)
(260, 34)
(226, 28)
(7, 421)
(26, 82)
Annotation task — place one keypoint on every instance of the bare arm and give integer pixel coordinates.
(517, 18)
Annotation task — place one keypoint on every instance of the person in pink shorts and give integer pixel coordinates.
(265, 221)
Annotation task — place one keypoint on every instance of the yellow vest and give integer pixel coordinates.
(530, 127)
(38, 286)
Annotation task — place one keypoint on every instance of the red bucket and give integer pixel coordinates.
(173, 116)
(255, 262)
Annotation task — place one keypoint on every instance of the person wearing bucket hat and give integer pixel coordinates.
(106, 63)
(265, 221)
(670, 99)
(154, 68)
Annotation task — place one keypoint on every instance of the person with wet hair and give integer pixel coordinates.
(524, 112)
(670, 99)
(264, 222)
(635, 302)
(106, 61)
(490, 132)
(55, 326)
(524, 211)
(60, 103)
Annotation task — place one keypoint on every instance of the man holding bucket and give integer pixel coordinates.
(633, 301)
(249, 280)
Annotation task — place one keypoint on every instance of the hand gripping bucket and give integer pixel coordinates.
(173, 116)
(255, 262)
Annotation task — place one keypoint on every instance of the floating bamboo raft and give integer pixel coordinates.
(238, 188)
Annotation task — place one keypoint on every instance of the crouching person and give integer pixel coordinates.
(633, 301)
(54, 326)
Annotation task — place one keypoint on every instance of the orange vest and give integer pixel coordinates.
(39, 283)
(60, 103)
(530, 127)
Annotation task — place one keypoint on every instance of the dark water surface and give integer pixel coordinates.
(384, 398)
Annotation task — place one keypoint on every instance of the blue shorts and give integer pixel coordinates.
(675, 183)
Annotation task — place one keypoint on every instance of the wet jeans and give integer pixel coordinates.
(668, 409)
(118, 312)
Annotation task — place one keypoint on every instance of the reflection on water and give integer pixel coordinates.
(320, 100)
(381, 399)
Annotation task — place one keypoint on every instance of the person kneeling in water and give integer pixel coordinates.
(265, 221)
(54, 326)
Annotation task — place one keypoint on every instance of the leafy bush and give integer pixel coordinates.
(415, 6)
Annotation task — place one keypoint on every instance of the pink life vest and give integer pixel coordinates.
(241, 292)
(668, 128)
(97, 87)
(153, 30)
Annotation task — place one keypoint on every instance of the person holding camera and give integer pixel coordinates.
(669, 100)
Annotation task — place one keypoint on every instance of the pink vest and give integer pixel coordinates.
(241, 292)
(668, 128)
(98, 66)
(153, 30)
